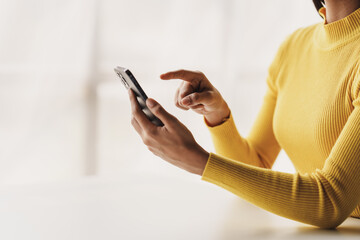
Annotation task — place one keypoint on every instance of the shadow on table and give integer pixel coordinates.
(245, 221)
(345, 230)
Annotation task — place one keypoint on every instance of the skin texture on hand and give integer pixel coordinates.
(197, 93)
(173, 142)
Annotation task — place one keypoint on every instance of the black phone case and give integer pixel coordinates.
(129, 81)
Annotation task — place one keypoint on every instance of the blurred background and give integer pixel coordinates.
(64, 114)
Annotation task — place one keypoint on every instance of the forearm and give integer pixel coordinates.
(308, 198)
(230, 144)
(260, 148)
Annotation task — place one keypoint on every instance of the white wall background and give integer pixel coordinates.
(63, 113)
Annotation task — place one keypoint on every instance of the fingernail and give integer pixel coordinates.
(150, 102)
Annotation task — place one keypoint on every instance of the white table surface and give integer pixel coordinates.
(144, 207)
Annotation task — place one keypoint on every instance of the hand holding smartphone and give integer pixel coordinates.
(129, 81)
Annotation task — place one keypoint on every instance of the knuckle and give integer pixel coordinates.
(154, 151)
(146, 140)
(210, 95)
(200, 73)
(183, 94)
(157, 110)
(133, 120)
(134, 112)
(195, 96)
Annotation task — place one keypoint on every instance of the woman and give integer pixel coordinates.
(311, 110)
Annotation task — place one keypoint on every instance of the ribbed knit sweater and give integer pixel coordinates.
(311, 110)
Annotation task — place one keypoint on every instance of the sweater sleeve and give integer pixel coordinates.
(324, 198)
(260, 148)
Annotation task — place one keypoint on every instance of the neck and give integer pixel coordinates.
(338, 9)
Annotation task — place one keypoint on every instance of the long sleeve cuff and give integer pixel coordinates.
(225, 136)
(224, 129)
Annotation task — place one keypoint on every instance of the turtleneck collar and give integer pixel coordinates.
(339, 32)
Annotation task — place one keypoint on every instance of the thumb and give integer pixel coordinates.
(160, 112)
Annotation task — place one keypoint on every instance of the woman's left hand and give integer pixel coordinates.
(172, 142)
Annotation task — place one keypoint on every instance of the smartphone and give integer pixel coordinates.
(129, 81)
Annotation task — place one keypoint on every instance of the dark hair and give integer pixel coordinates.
(318, 4)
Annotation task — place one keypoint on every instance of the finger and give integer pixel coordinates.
(199, 107)
(177, 103)
(160, 112)
(197, 98)
(178, 99)
(186, 89)
(182, 74)
(136, 125)
(138, 114)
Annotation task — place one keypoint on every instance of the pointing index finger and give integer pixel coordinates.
(182, 74)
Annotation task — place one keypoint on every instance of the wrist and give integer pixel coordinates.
(218, 117)
(203, 159)
(199, 161)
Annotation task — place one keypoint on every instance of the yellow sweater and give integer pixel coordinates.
(311, 110)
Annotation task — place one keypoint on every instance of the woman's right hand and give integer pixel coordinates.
(197, 93)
